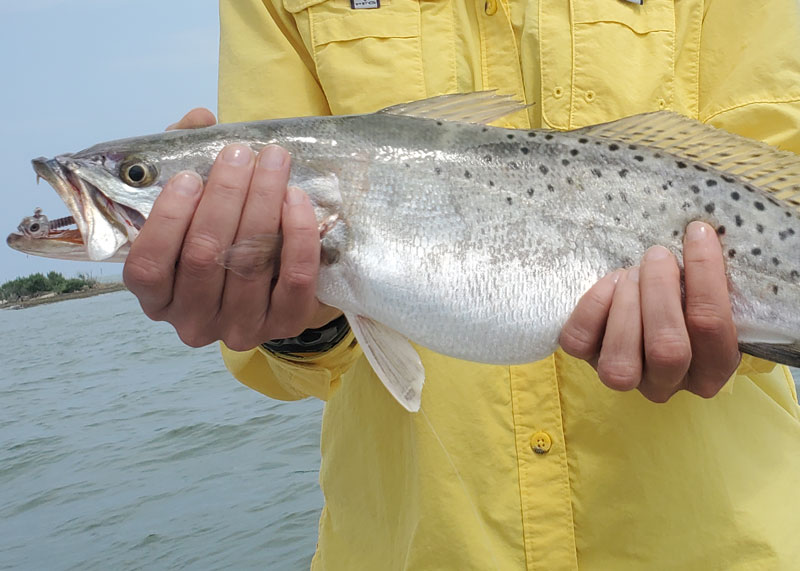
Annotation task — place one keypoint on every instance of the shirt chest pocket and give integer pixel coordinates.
(365, 59)
(623, 58)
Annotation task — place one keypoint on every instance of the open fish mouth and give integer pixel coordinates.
(104, 225)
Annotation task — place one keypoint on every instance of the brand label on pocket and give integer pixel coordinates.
(364, 4)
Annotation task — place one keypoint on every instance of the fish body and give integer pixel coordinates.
(478, 241)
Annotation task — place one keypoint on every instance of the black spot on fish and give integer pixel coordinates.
(735, 195)
(749, 188)
(721, 231)
(623, 173)
(437, 170)
(775, 289)
(686, 205)
(731, 253)
(551, 188)
(597, 172)
(662, 207)
(664, 186)
(758, 205)
(710, 207)
(727, 178)
(681, 164)
(491, 183)
(565, 162)
(656, 155)
(439, 123)
(632, 147)
(639, 158)
(570, 181)
(701, 168)
(530, 192)
(695, 189)
(484, 129)
(788, 214)
(676, 233)
(548, 137)
(609, 198)
(467, 174)
(739, 220)
(509, 200)
(776, 261)
(794, 274)
(645, 215)
(613, 147)
(510, 136)
(760, 228)
(573, 152)
(711, 182)
(531, 134)
(756, 251)
(583, 140)
(525, 150)
(408, 166)
(543, 169)
(487, 158)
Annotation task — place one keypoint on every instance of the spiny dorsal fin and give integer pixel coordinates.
(772, 170)
(479, 107)
(393, 359)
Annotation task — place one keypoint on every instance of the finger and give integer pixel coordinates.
(149, 268)
(666, 342)
(294, 299)
(619, 365)
(195, 119)
(245, 301)
(709, 318)
(199, 279)
(582, 334)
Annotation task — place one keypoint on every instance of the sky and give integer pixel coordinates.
(79, 72)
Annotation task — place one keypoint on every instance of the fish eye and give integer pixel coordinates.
(34, 227)
(137, 173)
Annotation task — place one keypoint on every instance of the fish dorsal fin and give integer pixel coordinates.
(478, 107)
(393, 359)
(753, 162)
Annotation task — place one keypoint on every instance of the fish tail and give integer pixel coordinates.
(785, 354)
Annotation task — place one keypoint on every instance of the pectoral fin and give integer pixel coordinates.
(393, 359)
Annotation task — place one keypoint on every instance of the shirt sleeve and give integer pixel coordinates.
(265, 72)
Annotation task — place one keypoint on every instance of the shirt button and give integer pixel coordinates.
(558, 92)
(662, 104)
(589, 96)
(541, 442)
(490, 7)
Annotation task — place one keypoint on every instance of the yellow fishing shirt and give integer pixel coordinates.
(539, 466)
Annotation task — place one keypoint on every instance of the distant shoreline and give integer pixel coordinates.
(99, 289)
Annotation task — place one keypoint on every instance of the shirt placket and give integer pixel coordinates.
(556, 56)
(500, 67)
(545, 492)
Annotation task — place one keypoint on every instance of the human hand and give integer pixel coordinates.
(634, 329)
(172, 266)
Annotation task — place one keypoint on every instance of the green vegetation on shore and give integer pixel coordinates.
(38, 284)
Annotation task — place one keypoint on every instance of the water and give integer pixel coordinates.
(120, 448)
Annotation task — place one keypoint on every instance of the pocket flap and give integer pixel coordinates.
(652, 16)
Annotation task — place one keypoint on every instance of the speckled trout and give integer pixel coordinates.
(474, 241)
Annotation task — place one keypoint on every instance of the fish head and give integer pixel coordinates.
(110, 188)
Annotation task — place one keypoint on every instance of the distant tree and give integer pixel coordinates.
(37, 284)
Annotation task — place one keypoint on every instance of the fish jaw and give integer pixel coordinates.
(97, 217)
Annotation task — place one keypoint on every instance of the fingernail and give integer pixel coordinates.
(237, 155)
(614, 276)
(295, 196)
(188, 183)
(633, 274)
(656, 253)
(272, 158)
(696, 231)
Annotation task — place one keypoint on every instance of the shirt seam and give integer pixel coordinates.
(515, 412)
(748, 103)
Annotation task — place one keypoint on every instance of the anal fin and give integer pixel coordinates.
(393, 359)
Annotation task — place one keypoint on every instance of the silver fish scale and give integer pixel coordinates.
(477, 242)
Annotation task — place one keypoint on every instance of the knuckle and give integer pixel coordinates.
(656, 396)
(668, 351)
(192, 338)
(705, 319)
(619, 374)
(141, 273)
(199, 254)
(578, 342)
(299, 277)
(230, 189)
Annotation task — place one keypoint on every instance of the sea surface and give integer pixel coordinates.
(120, 448)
